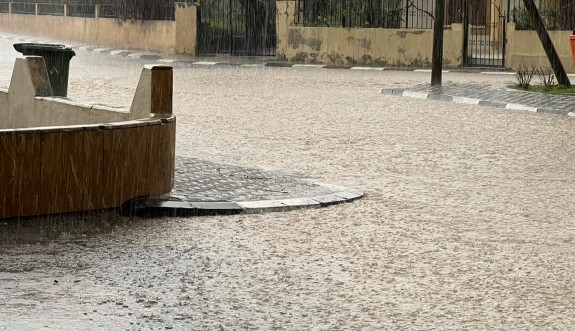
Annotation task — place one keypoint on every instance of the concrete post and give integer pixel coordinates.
(65, 10)
(162, 89)
(36, 10)
(154, 92)
(29, 80)
(97, 11)
(187, 24)
(10, 8)
(286, 16)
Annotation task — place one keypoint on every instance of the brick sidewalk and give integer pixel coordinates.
(203, 187)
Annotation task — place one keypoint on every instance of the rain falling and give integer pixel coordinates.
(466, 222)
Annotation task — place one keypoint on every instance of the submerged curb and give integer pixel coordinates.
(138, 54)
(168, 206)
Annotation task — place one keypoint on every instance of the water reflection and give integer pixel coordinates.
(64, 227)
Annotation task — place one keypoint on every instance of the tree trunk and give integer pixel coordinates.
(437, 55)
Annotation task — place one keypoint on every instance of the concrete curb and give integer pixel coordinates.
(166, 206)
(470, 101)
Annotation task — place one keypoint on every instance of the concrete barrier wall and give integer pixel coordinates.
(29, 103)
(71, 169)
(157, 36)
(360, 46)
(524, 48)
(57, 156)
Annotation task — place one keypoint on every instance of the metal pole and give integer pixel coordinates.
(437, 56)
(464, 55)
(407, 14)
(231, 31)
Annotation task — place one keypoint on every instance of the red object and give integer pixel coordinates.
(572, 41)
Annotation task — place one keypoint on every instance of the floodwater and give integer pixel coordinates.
(467, 223)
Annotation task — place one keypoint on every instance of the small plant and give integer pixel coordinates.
(524, 76)
(547, 77)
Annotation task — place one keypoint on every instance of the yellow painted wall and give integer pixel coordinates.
(524, 48)
(159, 36)
(351, 46)
(187, 28)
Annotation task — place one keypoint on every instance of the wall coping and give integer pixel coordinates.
(156, 119)
(29, 102)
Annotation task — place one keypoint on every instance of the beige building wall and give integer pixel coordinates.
(345, 46)
(524, 48)
(159, 36)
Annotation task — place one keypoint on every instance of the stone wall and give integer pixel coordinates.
(361, 46)
(524, 48)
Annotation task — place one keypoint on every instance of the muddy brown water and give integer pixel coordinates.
(467, 223)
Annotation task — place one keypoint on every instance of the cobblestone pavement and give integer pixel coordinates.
(491, 95)
(205, 181)
(203, 187)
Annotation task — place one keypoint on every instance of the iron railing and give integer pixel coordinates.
(558, 14)
(23, 8)
(348, 13)
(124, 9)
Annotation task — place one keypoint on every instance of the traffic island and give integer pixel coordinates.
(59, 157)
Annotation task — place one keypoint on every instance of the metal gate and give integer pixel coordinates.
(237, 27)
(485, 34)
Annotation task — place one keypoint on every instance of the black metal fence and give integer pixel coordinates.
(121, 9)
(239, 27)
(558, 14)
(351, 13)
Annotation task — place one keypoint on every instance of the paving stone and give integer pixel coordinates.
(496, 96)
(204, 187)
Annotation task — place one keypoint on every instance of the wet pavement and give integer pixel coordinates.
(467, 221)
(203, 187)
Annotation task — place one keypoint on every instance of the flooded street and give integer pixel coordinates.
(467, 221)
